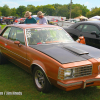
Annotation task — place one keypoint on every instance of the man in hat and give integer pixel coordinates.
(29, 19)
(42, 19)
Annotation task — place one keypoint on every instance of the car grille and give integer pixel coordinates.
(83, 71)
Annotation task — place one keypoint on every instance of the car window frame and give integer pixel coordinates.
(9, 33)
(92, 25)
(16, 29)
(78, 26)
(4, 31)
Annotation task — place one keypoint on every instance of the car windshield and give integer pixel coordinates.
(37, 36)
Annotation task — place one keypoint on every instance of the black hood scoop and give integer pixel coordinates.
(76, 50)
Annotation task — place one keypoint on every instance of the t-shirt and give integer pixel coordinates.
(43, 21)
(30, 21)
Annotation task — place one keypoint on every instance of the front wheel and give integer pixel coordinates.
(40, 80)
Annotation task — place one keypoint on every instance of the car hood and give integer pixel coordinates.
(68, 52)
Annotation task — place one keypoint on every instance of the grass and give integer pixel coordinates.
(13, 78)
(2, 26)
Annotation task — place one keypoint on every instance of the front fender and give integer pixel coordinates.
(39, 64)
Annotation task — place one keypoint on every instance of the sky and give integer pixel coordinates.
(16, 3)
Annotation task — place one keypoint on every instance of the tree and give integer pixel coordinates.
(49, 10)
(78, 9)
(56, 6)
(21, 11)
(38, 8)
(6, 10)
(76, 12)
(31, 8)
(94, 11)
(0, 11)
(63, 11)
(13, 12)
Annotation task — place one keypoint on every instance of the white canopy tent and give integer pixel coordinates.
(96, 17)
(92, 19)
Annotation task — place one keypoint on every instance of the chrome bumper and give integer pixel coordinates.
(78, 83)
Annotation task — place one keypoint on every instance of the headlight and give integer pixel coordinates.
(66, 73)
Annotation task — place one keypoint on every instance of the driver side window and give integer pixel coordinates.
(90, 28)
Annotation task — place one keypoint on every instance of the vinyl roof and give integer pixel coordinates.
(32, 25)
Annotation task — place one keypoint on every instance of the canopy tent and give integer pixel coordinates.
(92, 19)
(96, 17)
(81, 17)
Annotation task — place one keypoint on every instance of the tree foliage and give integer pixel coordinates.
(21, 11)
(51, 10)
(6, 10)
(95, 11)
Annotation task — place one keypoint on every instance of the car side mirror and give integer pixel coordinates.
(94, 33)
(18, 43)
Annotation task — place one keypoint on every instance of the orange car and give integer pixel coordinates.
(51, 56)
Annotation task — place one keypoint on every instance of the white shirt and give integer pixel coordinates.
(43, 21)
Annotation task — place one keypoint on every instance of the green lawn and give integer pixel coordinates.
(2, 26)
(14, 79)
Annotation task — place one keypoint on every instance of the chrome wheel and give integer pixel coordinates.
(39, 79)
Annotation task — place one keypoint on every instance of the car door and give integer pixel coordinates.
(91, 34)
(75, 32)
(3, 41)
(14, 52)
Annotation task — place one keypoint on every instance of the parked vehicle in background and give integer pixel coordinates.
(19, 21)
(53, 21)
(66, 23)
(50, 54)
(89, 29)
(7, 20)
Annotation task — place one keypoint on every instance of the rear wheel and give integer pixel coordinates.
(40, 80)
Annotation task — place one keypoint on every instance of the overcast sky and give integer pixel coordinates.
(16, 3)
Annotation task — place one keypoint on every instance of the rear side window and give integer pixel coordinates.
(6, 33)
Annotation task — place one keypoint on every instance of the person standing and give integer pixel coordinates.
(42, 19)
(29, 19)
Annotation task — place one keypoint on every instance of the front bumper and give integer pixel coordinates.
(81, 83)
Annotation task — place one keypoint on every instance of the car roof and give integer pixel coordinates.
(25, 26)
(86, 22)
(96, 22)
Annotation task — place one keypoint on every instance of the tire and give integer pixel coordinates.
(2, 59)
(40, 80)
